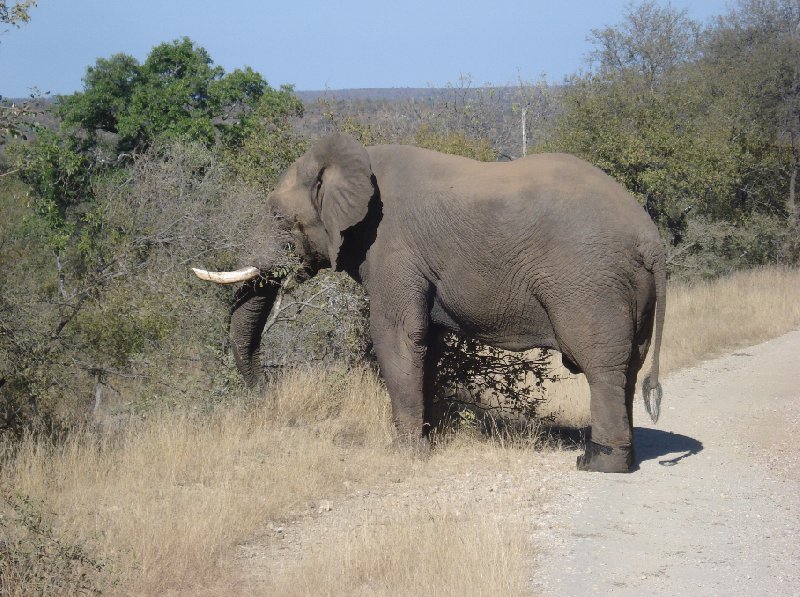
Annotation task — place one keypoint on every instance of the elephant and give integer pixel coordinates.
(546, 251)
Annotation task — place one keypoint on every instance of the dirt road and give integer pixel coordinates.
(715, 506)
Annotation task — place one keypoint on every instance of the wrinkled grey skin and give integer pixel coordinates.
(546, 251)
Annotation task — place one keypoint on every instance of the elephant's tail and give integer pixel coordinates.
(651, 388)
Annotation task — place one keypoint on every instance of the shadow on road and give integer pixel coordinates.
(654, 443)
(648, 443)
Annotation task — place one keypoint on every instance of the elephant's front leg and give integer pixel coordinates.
(400, 337)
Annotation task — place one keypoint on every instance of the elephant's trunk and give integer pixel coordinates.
(253, 302)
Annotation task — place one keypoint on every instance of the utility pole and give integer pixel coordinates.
(524, 133)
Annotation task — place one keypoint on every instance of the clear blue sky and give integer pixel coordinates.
(319, 45)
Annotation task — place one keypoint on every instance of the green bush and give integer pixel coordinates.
(116, 315)
(710, 248)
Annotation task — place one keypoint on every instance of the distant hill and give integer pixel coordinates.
(389, 94)
(394, 94)
(381, 94)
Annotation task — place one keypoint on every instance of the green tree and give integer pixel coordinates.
(109, 86)
(644, 116)
(176, 92)
(59, 171)
(658, 145)
(16, 12)
(701, 128)
(752, 57)
(265, 142)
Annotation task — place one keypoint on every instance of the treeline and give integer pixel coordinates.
(701, 123)
(161, 165)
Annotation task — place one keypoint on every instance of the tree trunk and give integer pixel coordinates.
(524, 132)
(60, 269)
(98, 391)
(791, 202)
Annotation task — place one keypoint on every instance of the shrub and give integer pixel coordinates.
(117, 313)
(34, 560)
(715, 248)
(502, 387)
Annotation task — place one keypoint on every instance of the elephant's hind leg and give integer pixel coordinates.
(598, 337)
(610, 446)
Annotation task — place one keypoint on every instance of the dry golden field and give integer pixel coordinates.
(158, 506)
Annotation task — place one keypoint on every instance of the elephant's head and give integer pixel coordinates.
(323, 194)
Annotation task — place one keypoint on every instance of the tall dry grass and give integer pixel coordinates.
(707, 319)
(441, 553)
(164, 497)
(703, 320)
(160, 502)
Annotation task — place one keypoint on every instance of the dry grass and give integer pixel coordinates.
(703, 320)
(164, 497)
(440, 554)
(161, 502)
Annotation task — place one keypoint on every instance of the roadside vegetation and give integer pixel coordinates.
(132, 460)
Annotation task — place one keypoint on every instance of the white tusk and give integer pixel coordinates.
(240, 275)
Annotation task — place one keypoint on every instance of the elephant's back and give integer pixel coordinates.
(552, 199)
(538, 182)
(561, 179)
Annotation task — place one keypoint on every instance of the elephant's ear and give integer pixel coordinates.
(344, 187)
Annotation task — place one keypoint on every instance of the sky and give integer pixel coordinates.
(338, 44)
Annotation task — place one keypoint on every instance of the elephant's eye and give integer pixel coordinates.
(316, 190)
(315, 193)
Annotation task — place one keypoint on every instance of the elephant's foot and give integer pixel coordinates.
(605, 459)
